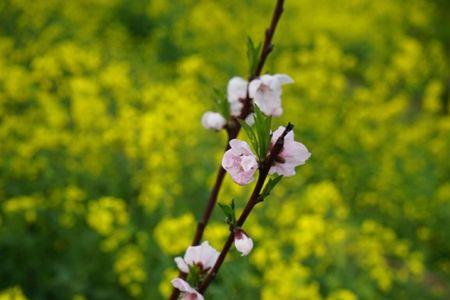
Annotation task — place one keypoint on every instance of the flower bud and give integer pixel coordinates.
(236, 92)
(213, 120)
(242, 242)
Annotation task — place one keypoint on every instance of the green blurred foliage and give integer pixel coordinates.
(104, 166)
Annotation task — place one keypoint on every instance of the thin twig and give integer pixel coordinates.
(268, 46)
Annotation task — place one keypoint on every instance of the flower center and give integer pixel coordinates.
(264, 88)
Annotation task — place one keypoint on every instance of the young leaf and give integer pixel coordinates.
(251, 136)
(229, 212)
(273, 181)
(262, 127)
(252, 54)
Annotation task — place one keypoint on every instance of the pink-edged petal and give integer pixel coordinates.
(192, 255)
(248, 163)
(283, 169)
(237, 89)
(253, 87)
(182, 285)
(240, 147)
(296, 152)
(208, 255)
(277, 133)
(243, 243)
(181, 264)
(271, 82)
(283, 78)
(227, 160)
(242, 178)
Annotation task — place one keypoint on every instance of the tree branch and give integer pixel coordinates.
(253, 200)
(233, 132)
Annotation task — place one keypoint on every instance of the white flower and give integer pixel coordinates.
(213, 120)
(188, 293)
(266, 93)
(203, 256)
(242, 242)
(293, 154)
(236, 92)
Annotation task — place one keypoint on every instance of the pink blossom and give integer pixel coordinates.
(293, 154)
(203, 256)
(188, 293)
(242, 242)
(236, 91)
(266, 93)
(240, 162)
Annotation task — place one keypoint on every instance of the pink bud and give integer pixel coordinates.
(213, 120)
(242, 242)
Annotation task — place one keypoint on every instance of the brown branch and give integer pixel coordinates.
(213, 196)
(254, 199)
(233, 131)
(268, 46)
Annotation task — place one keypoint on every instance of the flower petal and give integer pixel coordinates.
(181, 264)
(283, 78)
(253, 87)
(182, 285)
(242, 242)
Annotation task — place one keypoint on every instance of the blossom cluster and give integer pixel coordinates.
(265, 92)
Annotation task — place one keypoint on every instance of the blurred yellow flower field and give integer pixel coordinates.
(105, 167)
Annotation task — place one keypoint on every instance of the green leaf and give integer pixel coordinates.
(262, 127)
(229, 212)
(252, 54)
(273, 181)
(251, 136)
(259, 133)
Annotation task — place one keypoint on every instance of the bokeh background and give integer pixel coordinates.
(104, 166)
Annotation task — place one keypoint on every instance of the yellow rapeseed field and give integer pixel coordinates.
(105, 167)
